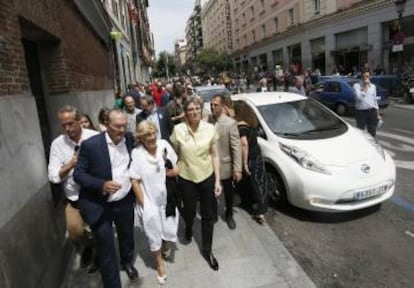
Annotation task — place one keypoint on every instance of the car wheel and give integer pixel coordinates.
(275, 187)
(340, 109)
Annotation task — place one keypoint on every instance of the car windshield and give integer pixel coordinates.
(208, 94)
(304, 119)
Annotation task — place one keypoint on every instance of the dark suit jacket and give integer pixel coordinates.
(166, 125)
(92, 170)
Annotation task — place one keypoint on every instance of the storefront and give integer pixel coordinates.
(318, 54)
(295, 57)
(351, 49)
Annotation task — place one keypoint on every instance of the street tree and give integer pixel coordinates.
(164, 66)
(211, 61)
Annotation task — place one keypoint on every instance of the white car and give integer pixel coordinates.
(314, 159)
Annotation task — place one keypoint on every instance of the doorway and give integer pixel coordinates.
(31, 53)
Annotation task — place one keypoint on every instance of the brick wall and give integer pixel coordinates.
(73, 57)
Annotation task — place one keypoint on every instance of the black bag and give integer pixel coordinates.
(173, 198)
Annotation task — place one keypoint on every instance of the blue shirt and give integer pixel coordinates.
(365, 100)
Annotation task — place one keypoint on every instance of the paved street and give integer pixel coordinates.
(368, 248)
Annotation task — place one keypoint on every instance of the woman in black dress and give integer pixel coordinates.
(253, 164)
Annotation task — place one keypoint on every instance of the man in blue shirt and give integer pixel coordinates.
(366, 105)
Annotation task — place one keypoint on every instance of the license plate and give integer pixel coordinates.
(364, 194)
(411, 90)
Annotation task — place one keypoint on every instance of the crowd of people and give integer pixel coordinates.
(155, 155)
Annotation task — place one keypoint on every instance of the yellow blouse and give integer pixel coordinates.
(193, 149)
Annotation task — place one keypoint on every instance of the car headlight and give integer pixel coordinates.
(375, 143)
(304, 159)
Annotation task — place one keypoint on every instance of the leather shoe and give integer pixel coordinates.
(131, 272)
(230, 222)
(211, 260)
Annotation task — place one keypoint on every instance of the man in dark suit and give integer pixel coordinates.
(106, 198)
(158, 115)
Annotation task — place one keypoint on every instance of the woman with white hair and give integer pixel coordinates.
(148, 173)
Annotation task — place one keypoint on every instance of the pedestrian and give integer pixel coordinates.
(298, 86)
(119, 95)
(131, 111)
(253, 164)
(175, 106)
(86, 122)
(135, 92)
(103, 119)
(366, 105)
(199, 174)
(157, 115)
(64, 153)
(230, 155)
(149, 163)
(106, 198)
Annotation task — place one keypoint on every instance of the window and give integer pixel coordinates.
(262, 4)
(276, 22)
(291, 17)
(244, 17)
(237, 23)
(254, 36)
(317, 5)
(264, 30)
(237, 43)
(332, 87)
(245, 39)
(252, 10)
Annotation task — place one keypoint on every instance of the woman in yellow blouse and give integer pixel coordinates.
(195, 143)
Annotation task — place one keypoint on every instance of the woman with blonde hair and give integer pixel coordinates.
(147, 170)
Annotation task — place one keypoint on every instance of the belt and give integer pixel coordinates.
(74, 204)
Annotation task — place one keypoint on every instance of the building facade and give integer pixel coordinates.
(319, 34)
(180, 49)
(217, 25)
(131, 40)
(57, 54)
(193, 35)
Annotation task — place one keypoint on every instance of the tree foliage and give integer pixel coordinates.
(211, 61)
(163, 60)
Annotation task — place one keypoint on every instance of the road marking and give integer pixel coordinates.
(404, 164)
(402, 130)
(409, 233)
(399, 201)
(396, 137)
(398, 147)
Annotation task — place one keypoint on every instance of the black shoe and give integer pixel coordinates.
(131, 272)
(188, 234)
(230, 222)
(211, 260)
(86, 257)
(92, 269)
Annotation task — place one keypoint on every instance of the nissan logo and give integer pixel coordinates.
(365, 168)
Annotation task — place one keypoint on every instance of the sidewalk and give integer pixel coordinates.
(251, 256)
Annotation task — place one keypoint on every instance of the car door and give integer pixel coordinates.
(331, 93)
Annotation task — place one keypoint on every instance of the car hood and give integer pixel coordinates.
(343, 150)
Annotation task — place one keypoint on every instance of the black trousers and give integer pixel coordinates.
(228, 191)
(367, 118)
(205, 192)
(258, 182)
(122, 214)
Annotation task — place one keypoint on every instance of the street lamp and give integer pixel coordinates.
(400, 7)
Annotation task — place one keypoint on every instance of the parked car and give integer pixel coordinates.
(338, 94)
(207, 92)
(314, 159)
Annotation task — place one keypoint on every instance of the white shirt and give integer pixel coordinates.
(365, 100)
(132, 120)
(61, 152)
(119, 156)
(153, 117)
